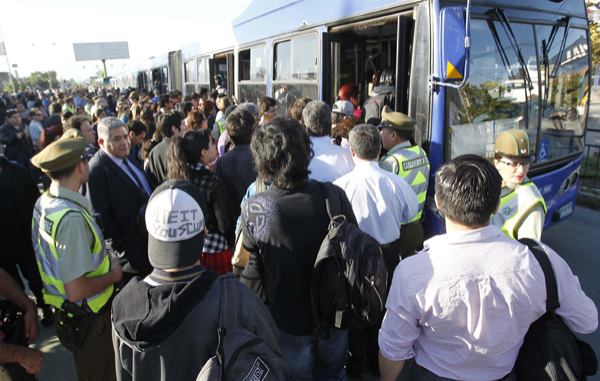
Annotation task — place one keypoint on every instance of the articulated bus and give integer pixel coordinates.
(465, 71)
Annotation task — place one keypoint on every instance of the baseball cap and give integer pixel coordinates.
(514, 144)
(343, 107)
(175, 222)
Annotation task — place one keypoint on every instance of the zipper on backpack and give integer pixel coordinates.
(372, 283)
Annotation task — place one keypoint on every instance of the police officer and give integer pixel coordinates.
(522, 208)
(412, 164)
(71, 255)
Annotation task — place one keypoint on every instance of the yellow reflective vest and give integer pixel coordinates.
(515, 206)
(413, 166)
(47, 215)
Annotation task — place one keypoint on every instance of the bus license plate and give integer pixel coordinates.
(566, 210)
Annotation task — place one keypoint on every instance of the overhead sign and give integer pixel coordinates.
(95, 51)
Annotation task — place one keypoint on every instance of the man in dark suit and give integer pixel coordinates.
(119, 190)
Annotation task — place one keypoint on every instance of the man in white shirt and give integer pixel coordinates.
(463, 305)
(382, 202)
(330, 161)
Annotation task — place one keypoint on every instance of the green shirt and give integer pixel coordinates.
(74, 238)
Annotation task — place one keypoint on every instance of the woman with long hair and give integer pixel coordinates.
(188, 159)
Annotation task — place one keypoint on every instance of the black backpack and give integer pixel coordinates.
(349, 281)
(240, 355)
(550, 351)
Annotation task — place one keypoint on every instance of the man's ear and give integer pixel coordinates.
(101, 142)
(437, 203)
(352, 151)
(132, 134)
(497, 207)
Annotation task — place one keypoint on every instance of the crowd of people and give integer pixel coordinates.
(150, 201)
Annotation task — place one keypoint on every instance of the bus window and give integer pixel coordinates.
(498, 96)
(202, 77)
(563, 92)
(190, 77)
(295, 70)
(165, 80)
(253, 74)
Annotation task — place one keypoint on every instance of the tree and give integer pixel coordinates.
(40, 79)
(595, 38)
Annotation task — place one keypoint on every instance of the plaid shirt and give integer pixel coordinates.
(214, 243)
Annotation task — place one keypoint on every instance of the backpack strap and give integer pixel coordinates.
(539, 253)
(230, 310)
(332, 199)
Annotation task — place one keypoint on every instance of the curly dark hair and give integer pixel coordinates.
(282, 152)
(343, 128)
(240, 127)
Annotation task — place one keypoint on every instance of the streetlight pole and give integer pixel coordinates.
(8, 63)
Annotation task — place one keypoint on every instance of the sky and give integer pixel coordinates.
(39, 35)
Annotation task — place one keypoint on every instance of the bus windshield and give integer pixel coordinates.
(550, 107)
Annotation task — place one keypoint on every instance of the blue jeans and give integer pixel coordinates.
(300, 354)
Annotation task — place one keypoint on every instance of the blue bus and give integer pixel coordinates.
(464, 71)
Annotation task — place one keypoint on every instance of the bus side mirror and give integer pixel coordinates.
(455, 44)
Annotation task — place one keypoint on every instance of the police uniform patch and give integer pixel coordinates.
(258, 372)
(507, 211)
(415, 163)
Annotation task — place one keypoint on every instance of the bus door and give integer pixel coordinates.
(223, 65)
(355, 53)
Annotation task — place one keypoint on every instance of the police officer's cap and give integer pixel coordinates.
(514, 145)
(63, 153)
(396, 120)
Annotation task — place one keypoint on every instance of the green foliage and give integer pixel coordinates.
(595, 38)
(19, 86)
(481, 102)
(40, 79)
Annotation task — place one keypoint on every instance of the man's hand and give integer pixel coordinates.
(31, 322)
(32, 360)
(117, 271)
(19, 135)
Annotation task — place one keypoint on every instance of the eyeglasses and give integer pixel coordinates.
(514, 165)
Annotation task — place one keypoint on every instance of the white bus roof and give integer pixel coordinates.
(265, 18)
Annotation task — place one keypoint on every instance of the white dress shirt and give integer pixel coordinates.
(330, 161)
(140, 174)
(381, 201)
(463, 305)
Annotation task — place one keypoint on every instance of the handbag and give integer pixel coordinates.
(550, 351)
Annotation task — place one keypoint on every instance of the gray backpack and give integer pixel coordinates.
(240, 354)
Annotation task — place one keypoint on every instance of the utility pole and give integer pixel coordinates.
(8, 63)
